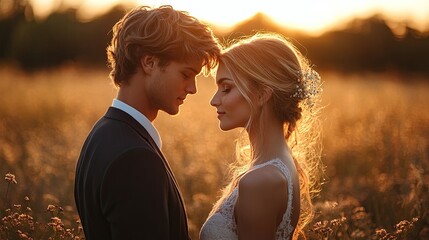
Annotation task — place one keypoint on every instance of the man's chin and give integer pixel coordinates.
(172, 111)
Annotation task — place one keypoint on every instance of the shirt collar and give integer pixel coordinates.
(139, 117)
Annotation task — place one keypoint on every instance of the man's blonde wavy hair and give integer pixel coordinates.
(164, 32)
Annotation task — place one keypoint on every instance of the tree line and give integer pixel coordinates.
(364, 45)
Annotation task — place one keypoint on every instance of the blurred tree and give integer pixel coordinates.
(12, 13)
(364, 44)
(96, 35)
(411, 52)
(48, 43)
(61, 38)
(369, 45)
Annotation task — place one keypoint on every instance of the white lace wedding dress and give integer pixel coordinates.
(222, 226)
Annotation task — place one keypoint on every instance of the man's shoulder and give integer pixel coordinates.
(109, 139)
(111, 128)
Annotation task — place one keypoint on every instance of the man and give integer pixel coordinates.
(124, 187)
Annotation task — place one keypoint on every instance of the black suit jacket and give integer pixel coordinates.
(124, 187)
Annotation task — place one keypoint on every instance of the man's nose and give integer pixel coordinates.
(191, 88)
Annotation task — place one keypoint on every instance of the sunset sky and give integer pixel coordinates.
(312, 16)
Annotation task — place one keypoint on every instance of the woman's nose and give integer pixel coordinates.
(215, 100)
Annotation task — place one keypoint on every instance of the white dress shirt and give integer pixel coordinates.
(139, 117)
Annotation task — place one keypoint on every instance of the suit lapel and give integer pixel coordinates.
(120, 115)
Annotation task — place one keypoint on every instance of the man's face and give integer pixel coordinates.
(168, 86)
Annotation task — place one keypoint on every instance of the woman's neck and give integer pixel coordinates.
(270, 143)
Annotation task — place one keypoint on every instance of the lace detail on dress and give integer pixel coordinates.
(221, 225)
(227, 210)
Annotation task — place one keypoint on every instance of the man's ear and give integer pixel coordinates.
(148, 63)
(264, 96)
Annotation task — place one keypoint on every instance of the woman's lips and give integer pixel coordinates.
(220, 114)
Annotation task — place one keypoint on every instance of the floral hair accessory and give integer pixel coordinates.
(308, 87)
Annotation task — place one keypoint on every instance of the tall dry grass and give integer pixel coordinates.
(376, 146)
(375, 137)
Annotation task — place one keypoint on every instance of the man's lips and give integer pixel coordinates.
(181, 99)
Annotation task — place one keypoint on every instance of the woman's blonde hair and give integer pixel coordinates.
(268, 61)
(164, 32)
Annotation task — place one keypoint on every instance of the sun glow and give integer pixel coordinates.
(223, 13)
(307, 15)
(312, 16)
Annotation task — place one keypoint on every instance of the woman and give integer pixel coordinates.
(266, 87)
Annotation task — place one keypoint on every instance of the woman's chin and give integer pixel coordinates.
(225, 127)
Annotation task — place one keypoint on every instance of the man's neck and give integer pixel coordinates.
(138, 101)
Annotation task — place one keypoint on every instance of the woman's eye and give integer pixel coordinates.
(225, 89)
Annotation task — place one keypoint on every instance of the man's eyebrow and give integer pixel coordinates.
(220, 80)
(193, 70)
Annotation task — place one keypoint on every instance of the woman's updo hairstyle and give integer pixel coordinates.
(270, 62)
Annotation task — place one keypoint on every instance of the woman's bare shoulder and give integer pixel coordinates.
(264, 180)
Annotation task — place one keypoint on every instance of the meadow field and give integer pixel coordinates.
(375, 148)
